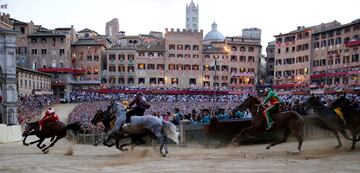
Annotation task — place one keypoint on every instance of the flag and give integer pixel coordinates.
(4, 6)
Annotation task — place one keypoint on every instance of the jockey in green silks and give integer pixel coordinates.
(275, 102)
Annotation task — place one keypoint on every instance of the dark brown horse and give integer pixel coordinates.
(290, 122)
(325, 118)
(351, 116)
(54, 130)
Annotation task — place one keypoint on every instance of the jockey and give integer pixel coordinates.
(139, 109)
(50, 116)
(340, 94)
(275, 102)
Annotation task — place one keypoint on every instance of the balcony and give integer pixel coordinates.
(353, 43)
(84, 81)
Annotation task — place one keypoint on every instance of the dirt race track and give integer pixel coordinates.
(317, 156)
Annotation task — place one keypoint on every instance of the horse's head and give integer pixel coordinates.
(248, 103)
(99, 116)
(340, 102)
(31, 128)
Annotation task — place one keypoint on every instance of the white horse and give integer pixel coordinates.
(141, 124)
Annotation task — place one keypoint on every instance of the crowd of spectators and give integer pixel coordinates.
(196, 108)
(29, 108)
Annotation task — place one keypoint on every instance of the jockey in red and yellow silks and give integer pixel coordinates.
(50, 116)
(275, 102)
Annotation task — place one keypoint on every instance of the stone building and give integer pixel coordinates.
(270, 61)
(31, 82)
(292, 56)
(112, 30)
(88, 53)
(335, 57)
(8, 90)
(192, 16)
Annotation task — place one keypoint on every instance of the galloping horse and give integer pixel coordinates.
(142, 124)
(352, 118)
(109, 124)
(54, 130)
(326, 118)
(291, 122)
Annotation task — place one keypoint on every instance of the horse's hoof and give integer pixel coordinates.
(95, 145)
(26, 144)
(268, 147)
(45, 151)
(337, 147)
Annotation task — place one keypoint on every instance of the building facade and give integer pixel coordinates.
(88, 53)
(192, 16)
(270, 62)
(31, 82)
(112, 29)
(335, 57)
(8, 90)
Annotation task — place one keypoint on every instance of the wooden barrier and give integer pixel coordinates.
(222, 132)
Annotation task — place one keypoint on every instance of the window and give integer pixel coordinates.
(252, 70)
(161, 81)
(43, 40)
(278, 62)
(34, 51)
(338, 40)
(195, 47)
(337, 61)
(187, 67)
(242, 49)
(43, 51)
(323, 43)
(251, 49)
(112, 68)
(141, 66)
(251, 58)
(174, 81)
(233, 70)
(89, 58)
(171, 67)
(287, 50)
(171, 47)
(180, 47)
(180, 55)
(131, 57)
(121, 68)
(242, 70)
(346, 59)
(187, 47)
(207, 56)
(233, 48)
(141, 54)
(195, 67)
(151, 66)
(242, 58)
(160, 54)
(195, 56)
(224, 68)
(233, 58)
(96, 57)
(111, 57)
(121, 57)
(279, 51)
(151, 54)
(141, 80)
(160, 66)
(121, 80)
(355, 58)
(131, 68)
(33, 40)
(171, 55)
(131, 80)
(187, 55)
(62, 51)
(316, 45)
(96, 70)
(345, 80)
(192, 81)
(152, 81)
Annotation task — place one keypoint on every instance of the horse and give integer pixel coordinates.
(54, 130)
(109, 124)
(290, 122)
(351, 117)
(162, 130)
(326, 118)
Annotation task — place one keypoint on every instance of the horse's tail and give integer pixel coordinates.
(170, 130)
(75, 127)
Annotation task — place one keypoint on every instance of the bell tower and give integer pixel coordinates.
(192, 16)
